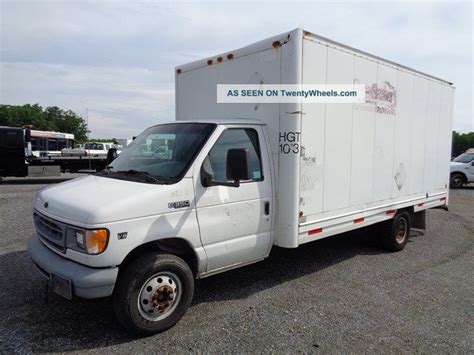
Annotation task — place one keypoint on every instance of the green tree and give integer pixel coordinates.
(462, 142)
(49, 119)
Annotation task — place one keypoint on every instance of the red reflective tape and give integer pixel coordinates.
(315, 231)
(359, 220)
(420, 204)
(442, 199)
(391, 212)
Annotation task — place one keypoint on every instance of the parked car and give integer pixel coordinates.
(462, 169)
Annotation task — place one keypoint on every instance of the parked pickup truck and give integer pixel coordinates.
(89, 149)
(222, 185)
(462, 169)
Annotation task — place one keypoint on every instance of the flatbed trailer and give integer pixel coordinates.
(71, 164)
(17, 160)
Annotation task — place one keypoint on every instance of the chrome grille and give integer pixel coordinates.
(52, 232)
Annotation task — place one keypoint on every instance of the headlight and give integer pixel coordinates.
(91, 241)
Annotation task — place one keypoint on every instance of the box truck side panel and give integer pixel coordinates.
(432, 131)
(444, 137)
(338, 132)
(385, 118)
(418, 136)
(314, 123)
(390, 152)
(403, 128)
(363, 139)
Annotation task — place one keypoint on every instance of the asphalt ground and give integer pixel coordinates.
(341, 294)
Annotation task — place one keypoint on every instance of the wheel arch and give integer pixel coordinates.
(176, 246)
(464, 176)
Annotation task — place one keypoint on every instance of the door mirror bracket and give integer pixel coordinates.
(208, 182)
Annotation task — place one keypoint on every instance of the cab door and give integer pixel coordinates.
(236, 222)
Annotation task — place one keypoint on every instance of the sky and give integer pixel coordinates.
(116, 59)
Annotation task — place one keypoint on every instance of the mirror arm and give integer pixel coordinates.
(236, 183)
(209, 182)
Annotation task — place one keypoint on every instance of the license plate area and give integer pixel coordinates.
(61, 286)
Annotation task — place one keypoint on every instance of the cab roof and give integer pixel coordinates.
(235, 121)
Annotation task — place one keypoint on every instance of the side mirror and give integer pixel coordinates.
(237, 169)
(238, 164)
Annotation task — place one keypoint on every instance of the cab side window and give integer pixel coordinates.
(231, 139)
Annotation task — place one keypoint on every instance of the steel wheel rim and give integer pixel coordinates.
(159, 296)
(402, 230)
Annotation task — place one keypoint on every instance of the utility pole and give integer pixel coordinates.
(88, 138)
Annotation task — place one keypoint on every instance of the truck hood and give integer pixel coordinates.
(95, 200)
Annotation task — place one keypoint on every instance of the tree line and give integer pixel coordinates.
(48, 119)
(462, 142)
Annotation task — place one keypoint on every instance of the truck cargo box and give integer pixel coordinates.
(335, 162)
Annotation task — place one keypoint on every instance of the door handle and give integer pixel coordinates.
(267, 208)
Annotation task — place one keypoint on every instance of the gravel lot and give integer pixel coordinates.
(341, 294)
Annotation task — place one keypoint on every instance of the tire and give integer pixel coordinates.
(456, 181)
(153, 293)
(395, 232)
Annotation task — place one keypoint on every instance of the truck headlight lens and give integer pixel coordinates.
(92, 241)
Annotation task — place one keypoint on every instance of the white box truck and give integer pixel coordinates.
(218, 188)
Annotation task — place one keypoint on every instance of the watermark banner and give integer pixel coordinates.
(276, 93)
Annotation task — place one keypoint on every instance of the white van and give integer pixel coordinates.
(218, 188)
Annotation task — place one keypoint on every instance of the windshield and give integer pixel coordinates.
(163, 152)
(464, 158)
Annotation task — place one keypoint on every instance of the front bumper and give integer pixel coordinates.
(87, 282)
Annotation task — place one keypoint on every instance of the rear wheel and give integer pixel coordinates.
(153, 293)
(395, 232)
(457, 180)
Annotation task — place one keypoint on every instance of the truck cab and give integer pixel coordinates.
(210, 202)
(12, 152)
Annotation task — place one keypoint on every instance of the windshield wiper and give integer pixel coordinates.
(144, 174)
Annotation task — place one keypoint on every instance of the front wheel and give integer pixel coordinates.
(153, 293)
(395, 232)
